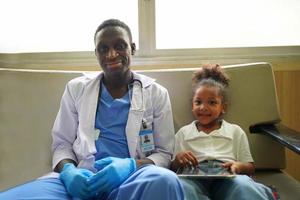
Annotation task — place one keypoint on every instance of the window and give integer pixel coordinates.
(59, 25)
(232, 23)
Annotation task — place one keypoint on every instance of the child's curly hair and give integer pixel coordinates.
(211, 75)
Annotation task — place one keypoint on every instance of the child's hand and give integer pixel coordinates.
(186, 158)
(240, 167)
(234, 167)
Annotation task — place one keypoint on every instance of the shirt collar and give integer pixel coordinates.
(223, 132)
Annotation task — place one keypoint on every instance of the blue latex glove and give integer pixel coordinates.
(112, 173)
(75, 180)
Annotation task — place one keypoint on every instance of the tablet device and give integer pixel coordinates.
(204, 172)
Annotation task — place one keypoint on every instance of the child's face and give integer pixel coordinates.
(207, 106)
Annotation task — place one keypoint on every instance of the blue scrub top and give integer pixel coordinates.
(111, 120)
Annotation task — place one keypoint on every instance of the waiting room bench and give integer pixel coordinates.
(29, 102)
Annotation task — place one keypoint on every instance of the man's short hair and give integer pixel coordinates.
(113, 22)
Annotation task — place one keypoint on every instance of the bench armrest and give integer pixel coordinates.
(282, 134)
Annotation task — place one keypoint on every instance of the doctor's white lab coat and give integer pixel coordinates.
(74, 131)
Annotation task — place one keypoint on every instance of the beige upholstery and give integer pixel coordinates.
(29, 101)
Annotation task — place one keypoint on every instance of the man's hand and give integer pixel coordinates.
(75, 180)
(112, 173)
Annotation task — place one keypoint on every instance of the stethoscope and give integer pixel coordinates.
(144, 122)
(130, 90)
(135, 80)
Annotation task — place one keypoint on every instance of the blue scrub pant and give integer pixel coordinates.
(147, 183)
(240, 187)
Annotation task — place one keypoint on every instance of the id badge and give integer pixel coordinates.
(146, 140)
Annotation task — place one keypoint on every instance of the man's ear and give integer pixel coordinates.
(133, 48)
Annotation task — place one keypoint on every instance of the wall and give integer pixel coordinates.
(288, 91)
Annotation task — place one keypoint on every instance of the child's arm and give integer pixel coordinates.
(182, 159)
(240, 167)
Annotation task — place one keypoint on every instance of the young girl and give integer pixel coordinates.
(211, 142)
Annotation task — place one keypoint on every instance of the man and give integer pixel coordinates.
(98, 151)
